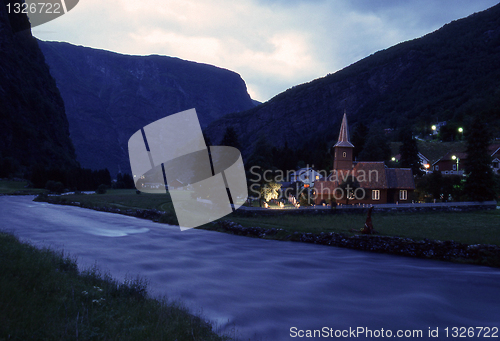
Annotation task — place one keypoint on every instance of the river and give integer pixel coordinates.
(265, 289)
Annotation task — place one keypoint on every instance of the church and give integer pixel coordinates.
(371, 181)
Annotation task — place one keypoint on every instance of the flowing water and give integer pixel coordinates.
(265, 288)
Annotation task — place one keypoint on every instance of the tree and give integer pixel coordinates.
(435, 184)
(358, 138)
(124, 180)
(101, 189)
(377, 146)
(54, 186)
(284, 158)
(306, 197)
(270, 191)
(260, 168)
(409, 152)
(230, 138)
(479, 185)
(349, 187)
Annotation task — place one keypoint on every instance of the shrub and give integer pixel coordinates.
(54, 186)
(101, 189)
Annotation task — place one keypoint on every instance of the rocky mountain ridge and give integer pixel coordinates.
(449, 74)
(34, 127)
(109, 96)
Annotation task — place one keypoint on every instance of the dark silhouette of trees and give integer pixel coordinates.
(230, 138)
(377, 146)
(409, 152)
(260, 168)
(479, 185)
(124, 180)
(81, 179)
(358, 139)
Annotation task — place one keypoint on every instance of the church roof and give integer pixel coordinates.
(401, 178)
(370, 175)
(344, 134)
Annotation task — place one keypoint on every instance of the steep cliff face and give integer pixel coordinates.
(447, 74)
(33, 128)
(109, 96)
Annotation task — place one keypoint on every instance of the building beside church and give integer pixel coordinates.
(453, 163)
(377, 183)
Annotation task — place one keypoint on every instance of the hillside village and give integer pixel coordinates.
(438, 175)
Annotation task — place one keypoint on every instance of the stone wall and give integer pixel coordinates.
(386, 208)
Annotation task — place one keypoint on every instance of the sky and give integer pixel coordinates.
(273, 44)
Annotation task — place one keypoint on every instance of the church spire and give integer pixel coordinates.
(344, 134)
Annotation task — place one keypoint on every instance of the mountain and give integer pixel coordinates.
(449, 74)
(109, 96)
(34, 127)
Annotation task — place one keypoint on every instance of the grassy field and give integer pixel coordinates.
(482, 227)
(18, 187)
(434, 150)
(44, 297)
(124, 198)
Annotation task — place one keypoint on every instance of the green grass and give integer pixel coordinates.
(122, 198)
(44, 297)
(125, 198)
(434, 150)
(480, 227)
(17, 187)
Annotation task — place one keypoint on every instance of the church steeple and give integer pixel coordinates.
(344, 134)
(343, 148)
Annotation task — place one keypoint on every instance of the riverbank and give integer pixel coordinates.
(43, 296)
(422, 235)
(430, 249)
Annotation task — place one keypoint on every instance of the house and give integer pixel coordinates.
(377, 183)
(451, 163)
(494, 150)
(437, 127)
(454, 163)
(424, 161)
(306, 175)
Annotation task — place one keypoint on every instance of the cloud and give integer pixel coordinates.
(273, 45)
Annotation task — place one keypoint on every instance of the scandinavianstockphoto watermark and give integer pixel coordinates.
(339, 184)
(175, 148)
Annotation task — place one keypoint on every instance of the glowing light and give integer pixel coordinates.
(393, 158)
(453, 157)
(426, 166)
(460, 130)
(433, 127)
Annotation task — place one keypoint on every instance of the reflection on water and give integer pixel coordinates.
(264, 287)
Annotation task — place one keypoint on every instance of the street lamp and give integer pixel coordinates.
(461, 131)
(454, 157)
(434, 127)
